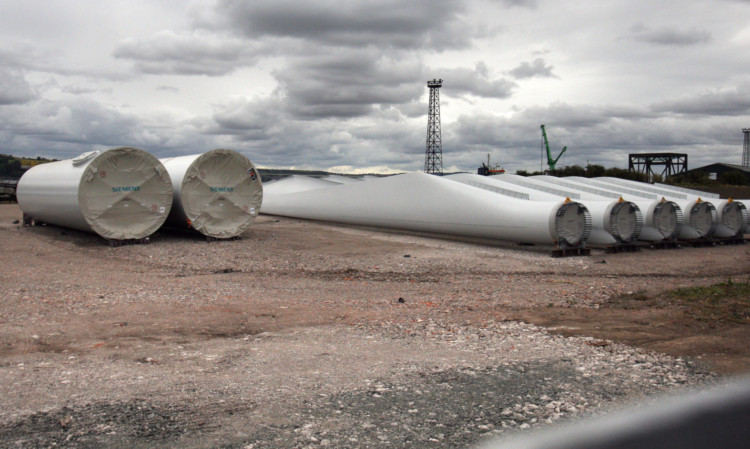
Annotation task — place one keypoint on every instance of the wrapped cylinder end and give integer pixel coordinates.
(625, 222)
(702, 218)
(668, 219)
(734, 217)
(120, 194)
(217, 193)
(572, 224)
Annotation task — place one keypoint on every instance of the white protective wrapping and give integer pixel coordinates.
(120, 194)
(701, 217)
(428, 203)
(612, 221)
(217, 193)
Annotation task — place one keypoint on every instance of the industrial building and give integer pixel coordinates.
(716, 170)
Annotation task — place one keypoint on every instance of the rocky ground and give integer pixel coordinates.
(306, 334)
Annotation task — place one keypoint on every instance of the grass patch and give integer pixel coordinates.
(726, 301)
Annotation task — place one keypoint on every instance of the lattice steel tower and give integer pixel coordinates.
(433, 158)
(746, 148)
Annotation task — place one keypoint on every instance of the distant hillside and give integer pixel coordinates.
(270, 174)
(12, 167)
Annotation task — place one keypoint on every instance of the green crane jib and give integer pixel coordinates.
(550, 161)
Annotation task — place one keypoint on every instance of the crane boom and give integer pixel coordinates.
(550, 160)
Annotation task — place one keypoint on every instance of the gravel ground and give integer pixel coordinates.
(305, 334)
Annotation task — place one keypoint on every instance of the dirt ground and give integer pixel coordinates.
(310, 334)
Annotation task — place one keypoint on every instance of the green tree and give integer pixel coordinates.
(595, 171)
(10, 167)
(692, 178)
(571, 170)
(622, 173)
(733, 177)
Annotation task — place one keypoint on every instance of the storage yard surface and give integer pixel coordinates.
(309, 334)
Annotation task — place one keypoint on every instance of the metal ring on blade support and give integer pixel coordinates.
(734, 216)
(703, 218)
(572, 224)
(625, 222)
(668, 219)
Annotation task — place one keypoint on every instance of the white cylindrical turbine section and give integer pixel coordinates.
(681, 201)
(428, 203)
(120, 194)
(701, 217)
(601, 210)
(663, 218)
(572, 225)
(666, 218)
(733, 217)
(626, 221)
(217, 193)
(621, 219)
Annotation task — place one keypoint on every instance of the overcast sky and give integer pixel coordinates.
(342, 85)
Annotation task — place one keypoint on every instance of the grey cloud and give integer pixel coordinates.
(393, 23)
(22, 55)
(194, 54)
(73, 126)
(262, 128)
(14, 89)
(351, 84)
(670, 36)
(413, 109)
(348, 84)
(272, 138)
(256, 120)
(728, 102)
(78, 89)
(562, 114)
(477, 82)
(265, 130)
(35, 57)
(531, 4)
(596, 134)
(536, 68)
(81, 122)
